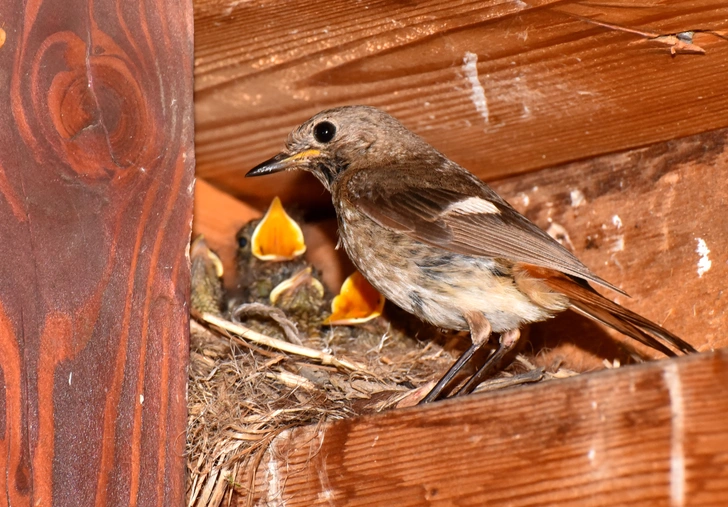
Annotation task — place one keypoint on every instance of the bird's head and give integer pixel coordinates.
(344, 138)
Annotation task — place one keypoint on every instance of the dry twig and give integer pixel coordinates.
(291, 348)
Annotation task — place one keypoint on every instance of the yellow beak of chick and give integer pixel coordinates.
(277, 237)
(357, 302)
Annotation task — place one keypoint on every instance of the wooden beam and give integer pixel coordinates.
(96, 172)
(653, 434)
(500, 87)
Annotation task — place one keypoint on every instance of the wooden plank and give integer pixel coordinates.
(653, 434)
(96, 175)
(554, 87)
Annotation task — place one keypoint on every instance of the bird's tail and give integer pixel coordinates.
(585, 300)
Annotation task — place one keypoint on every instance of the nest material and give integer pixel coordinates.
(241, 395)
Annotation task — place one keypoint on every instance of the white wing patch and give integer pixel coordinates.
(472, 206)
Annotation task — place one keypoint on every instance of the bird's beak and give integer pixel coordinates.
(305, 276)
(277, 237)
(358, 302)
(281, 162)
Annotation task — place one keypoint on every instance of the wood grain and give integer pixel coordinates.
(652, 435)
(96, 175)
(557, 88)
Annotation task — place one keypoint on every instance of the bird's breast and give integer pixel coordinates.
(435, 284)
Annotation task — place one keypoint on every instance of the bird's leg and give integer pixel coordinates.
(507, 341)
(479, 333)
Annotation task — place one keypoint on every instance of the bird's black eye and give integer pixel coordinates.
(324, 131)
(242, 241)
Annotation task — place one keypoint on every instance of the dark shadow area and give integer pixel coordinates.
(587, 335)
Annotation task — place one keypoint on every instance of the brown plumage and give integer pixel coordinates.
(440, 243)
(206, 294)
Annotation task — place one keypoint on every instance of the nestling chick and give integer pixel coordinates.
(356, 303)
(270, 250)
(206, 272)
(304, 299)
(441, 244)
(273, 271)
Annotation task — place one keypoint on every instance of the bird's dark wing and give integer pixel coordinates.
(451, 209)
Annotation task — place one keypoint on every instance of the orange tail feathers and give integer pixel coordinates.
(585, 300)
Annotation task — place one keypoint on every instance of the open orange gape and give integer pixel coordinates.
(278, 238)
(357, 302)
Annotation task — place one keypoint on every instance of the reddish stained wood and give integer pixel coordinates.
(653, 434)
(557, 88)
(96, 181)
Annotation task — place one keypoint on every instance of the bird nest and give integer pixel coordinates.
(242, 394)
(268, 359)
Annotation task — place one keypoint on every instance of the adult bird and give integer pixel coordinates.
(440, 243)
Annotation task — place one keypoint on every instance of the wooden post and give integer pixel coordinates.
(96, 172)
